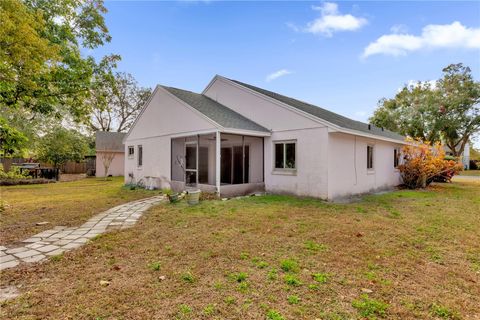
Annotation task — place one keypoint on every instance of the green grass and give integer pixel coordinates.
(470, 173)
(61, 203)
(323, 259)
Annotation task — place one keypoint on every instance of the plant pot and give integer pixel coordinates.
(173, 197)
(193, 196)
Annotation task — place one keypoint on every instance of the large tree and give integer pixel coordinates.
(42, 69)
(447, 110)
(116, 107)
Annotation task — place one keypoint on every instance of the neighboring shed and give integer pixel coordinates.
(109, 148)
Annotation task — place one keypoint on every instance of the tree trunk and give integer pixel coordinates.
(7, 164)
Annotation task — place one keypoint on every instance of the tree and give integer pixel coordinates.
(446, 111)
(125, 99)
(42, 67)
(12, 142)
(61, 145)
(107, 156)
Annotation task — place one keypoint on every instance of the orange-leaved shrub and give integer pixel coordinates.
(424, 163)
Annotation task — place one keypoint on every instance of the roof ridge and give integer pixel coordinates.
(335, 118)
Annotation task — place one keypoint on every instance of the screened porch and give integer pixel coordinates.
(225, 163)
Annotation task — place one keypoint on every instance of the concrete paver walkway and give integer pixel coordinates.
(60, 239)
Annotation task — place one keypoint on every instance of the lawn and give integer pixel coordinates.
(401, 255)
(470, 173)
(64, 203)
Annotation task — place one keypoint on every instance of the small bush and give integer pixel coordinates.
(291, 280)
(320, 277)
(289, 265)
(293, 299)
(188, 277)
(313, 246)
(272, 274)
(13, 173)
(154, 266)
(230, 300)
(239, 277)
(443, 312)
(370, 308)
(209, 310)
(274, 315)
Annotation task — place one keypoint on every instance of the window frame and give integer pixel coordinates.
(284, 170)
(372, 167)
(139, 156)
(396, 157)
(131, 155)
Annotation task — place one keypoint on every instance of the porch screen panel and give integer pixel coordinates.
(178, 159)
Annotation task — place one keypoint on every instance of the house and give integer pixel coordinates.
(109, 148)
(235, 138)
(464, 157)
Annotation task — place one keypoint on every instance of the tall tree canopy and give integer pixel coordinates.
(42, 69)
(447, 110)
(124, 101)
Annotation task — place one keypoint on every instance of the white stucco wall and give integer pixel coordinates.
(258, 109)
(116, 166)
(163, 117)
(347, 170)
(311, 176)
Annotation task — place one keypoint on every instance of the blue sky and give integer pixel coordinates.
(343, 56)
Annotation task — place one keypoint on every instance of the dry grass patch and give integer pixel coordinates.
(403, 255)
(63, 203)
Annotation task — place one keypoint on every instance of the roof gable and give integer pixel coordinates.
(215, 111)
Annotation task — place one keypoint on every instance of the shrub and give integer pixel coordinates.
(370, 308)
(474, 165)
(289, 265)
(274, 315)
(293, 299)
(291, 280)
(13, 173)
(424, 163)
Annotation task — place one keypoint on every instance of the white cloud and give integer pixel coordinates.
(277, 74)
(331, 21)
(433, 36)
(399, 28)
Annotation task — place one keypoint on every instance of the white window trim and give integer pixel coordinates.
(372, 169)
(284, 171)
(131, 156)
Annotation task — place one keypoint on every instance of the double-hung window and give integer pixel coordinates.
(285, 155)
(131, 152)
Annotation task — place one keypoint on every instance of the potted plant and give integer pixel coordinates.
(173, 197)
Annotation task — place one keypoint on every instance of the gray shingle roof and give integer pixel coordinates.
(326, 115)
(109, 141)
(215, 111)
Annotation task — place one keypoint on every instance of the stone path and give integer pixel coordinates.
(60, 239)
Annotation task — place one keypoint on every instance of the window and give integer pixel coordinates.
(285, 155)
(140, 156)
(369, 157)
(131, 151)
(396, 157)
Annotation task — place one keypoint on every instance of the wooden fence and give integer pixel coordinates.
(69, 167)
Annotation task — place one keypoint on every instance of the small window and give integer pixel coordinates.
(396, 157)
(285, 155)
(369, 157)
(140, 156)
(131, 152)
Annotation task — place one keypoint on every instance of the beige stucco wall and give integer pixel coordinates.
(347, 171)
(116, 167)
(163, 117)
